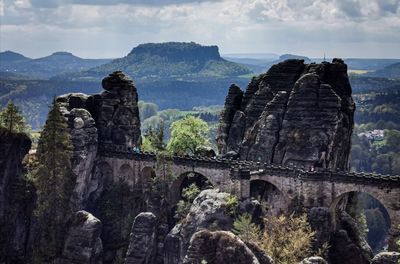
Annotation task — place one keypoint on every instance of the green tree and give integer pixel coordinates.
(153, 140)
(187, 135)
(188, 195)
(12, 120)
(245, 229)
(53, 179)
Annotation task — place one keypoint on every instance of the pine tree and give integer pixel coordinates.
(53, 180)
(12, 120)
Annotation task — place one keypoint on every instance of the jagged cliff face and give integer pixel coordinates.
(111, 117)
(296, 114)
(16, 198)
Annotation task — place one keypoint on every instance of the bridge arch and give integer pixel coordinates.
(125, 173)
(187, 178)
(363, 206)
(272, 199)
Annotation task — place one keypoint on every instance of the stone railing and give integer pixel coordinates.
(327, 175)
(116, 151)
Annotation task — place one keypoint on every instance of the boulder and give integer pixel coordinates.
(208, 211)
(320, 221)
(218, 247)
(83, 244)
(386, 258)
(142, 246)
(314, 260)
(268, 126)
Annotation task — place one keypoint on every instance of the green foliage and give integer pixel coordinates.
(245, 229)
(287, 239)
(117, 207)
(187, 135)
(53, 179)
(12, 120)
(356, 210)
(153, 140)
(188, 195)
(232, 205)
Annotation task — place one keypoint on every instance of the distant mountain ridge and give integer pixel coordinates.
(391, 71)
(10, 56)
(170, 60)
(46, 67)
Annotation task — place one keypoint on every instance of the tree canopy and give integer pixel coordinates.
(187, 135)
(12, 120)
(53, 179)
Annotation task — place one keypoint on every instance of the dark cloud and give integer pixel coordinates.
(351, 8)
(390, 6)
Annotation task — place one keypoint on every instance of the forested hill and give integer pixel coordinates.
(170, 60)
(45, 67)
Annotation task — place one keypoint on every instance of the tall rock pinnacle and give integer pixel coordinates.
(296, 114)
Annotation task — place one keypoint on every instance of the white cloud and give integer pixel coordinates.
(369, 28)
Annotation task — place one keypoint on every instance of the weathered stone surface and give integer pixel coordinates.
(232, 105)
(83, 244)
(347, 246)
(261, 256)
(314, 260)
(208, 211)
(16, 198)
(218, 247)
(386, 258)
(278, 105)
(142, 246)
(116, 111)
(320, 221)
(84, 138)
(253, 208)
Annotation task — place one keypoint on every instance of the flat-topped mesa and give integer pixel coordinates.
(296, 114)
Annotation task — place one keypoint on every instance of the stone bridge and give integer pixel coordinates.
(290, 186)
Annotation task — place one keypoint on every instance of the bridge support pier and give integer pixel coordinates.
(243, 177)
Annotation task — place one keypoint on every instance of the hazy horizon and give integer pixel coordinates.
(111, 28)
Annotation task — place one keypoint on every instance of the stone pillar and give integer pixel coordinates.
(242, 176)
(245, 184)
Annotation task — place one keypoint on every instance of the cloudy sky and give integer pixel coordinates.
(111, 28)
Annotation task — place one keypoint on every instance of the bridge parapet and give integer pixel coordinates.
(329, 175)
(123, 152)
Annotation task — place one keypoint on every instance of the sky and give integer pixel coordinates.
(111, 28)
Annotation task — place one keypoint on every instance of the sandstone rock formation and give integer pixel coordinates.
(218, 247)
(267, 122)
(386, 258)
(142, 246)
(207, 211)
(110, 118)
(192, 237)
(320, 221)
(347, 245)
(16, 198)
(84, 139)
(83, 244)
(314, 260)
(116, 111)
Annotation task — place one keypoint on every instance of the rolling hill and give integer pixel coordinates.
(46, 67)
